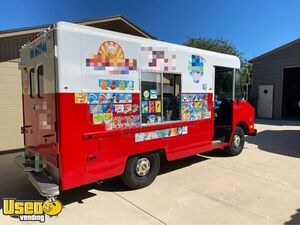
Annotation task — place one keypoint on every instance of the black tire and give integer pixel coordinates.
(235, 149)
(132, 179)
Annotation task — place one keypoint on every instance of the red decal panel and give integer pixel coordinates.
(90, 153)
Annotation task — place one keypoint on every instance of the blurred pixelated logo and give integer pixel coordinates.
(31, 210)
(38, 49)
(196, 67)
(111, 60)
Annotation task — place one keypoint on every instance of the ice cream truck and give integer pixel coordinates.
(99, 104)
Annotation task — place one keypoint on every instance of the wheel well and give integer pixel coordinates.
(161, 152)
(162, 155)
(244, 126)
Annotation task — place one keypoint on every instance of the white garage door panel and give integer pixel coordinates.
(10, 106)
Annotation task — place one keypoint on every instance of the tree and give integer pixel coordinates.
(215, 45)
(224, 46)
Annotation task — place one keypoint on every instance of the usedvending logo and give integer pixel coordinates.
(28, 210)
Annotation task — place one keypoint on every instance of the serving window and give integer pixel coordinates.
(160, 97)
(151, 108)
(171, 97)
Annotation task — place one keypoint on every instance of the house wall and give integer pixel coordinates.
(11, 115)
(10, 106)
(269, 71)
(9, 46)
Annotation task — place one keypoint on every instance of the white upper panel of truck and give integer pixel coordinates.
(86, 55)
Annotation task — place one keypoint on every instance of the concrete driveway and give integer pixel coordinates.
(261, 186)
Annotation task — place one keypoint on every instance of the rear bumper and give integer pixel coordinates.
(40, 180)
(253, 133)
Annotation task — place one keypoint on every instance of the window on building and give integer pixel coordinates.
(40, 76)
(32, 79)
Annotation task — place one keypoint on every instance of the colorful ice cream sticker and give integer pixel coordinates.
(164, 133)
(121, 85)
(104, 98)
(81, 98)
(195, 107)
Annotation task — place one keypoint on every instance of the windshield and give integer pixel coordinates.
(223, 83)
(238, 87)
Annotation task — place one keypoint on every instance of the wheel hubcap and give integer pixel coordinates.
(142, 167)
(236, 140)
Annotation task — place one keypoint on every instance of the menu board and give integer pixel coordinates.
(195, 106)
(114, 110)
(151, 106)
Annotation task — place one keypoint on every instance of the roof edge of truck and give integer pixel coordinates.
(37, 36)
(98, 31)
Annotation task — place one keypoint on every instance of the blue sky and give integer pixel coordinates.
(253, 26)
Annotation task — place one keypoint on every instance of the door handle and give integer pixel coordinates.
(48, 135)
(23, 129)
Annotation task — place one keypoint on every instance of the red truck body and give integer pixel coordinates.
(64, 141)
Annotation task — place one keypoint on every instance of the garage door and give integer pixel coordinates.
(10, 106)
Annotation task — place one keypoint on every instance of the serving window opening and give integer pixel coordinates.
(160, 97)
(151, 107)
(171, 97)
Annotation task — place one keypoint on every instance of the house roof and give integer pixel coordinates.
(275, 50)
(89, 22)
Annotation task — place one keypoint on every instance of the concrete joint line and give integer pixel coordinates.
(140, 208)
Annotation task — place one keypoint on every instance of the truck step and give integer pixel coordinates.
(40, 180)
(216, 142)
(20, 161)
(44, 184)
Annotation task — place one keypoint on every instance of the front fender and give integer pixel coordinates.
(244, 116)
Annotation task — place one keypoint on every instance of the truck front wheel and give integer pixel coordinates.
(141, 170)
(237, 144)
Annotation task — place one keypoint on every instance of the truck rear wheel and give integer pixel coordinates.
(141, 170)
(237, 144)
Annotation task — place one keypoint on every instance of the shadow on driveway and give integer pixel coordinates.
(273, 122)
(295, 219)
(14, 184)
(283, 142)
(115, 184)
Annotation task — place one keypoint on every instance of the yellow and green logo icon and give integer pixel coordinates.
(31, 210)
